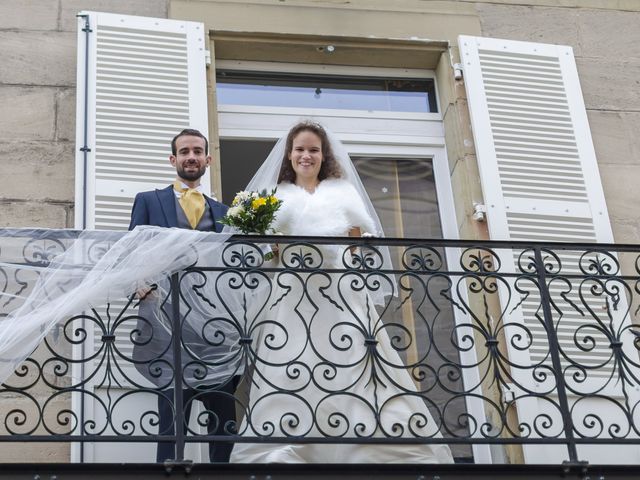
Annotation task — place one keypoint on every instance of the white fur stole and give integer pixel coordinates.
(332, 210)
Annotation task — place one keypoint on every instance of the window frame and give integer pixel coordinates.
(333, 70)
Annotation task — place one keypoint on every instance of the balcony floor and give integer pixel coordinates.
(99, 471)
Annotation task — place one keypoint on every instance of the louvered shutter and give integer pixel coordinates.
(537, 163)
(540, 181)
(145, 81)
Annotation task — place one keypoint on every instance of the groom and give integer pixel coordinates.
(181, 205)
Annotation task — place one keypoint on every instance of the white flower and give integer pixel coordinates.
(241, 196)
(235, 211)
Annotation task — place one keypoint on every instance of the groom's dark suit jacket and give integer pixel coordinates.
(158, 207)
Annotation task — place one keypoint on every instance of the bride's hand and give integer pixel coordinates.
(354, 232)
(275, 248)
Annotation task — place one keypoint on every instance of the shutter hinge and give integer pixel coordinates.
(508, 394)
(85, 149)
(457, 71)
(86, 28)
(207, 57)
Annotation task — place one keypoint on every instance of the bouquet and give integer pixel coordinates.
(253, 212)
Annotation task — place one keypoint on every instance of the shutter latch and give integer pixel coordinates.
(457, 71)
(479, 212)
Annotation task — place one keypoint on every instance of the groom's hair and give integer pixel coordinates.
(191, 132)
(329, 167)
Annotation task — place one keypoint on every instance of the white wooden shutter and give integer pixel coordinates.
(540, 182)
(146, 81)
(537, 163)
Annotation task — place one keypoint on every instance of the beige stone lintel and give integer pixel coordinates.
(628, 5)
(442, 21)
(411, 6)
(355, 51)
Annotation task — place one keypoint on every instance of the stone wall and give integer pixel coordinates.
(606, 44)
(37, 94)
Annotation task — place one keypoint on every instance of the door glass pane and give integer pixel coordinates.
(403, 192)
(326, 91)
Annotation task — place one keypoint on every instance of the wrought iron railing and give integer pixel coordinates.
(507, 343)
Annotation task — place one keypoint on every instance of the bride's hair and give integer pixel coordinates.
(329, 167)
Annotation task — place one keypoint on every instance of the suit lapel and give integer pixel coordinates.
(216, 212)
(167, 201)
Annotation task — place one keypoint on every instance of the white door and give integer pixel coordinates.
(400, 155)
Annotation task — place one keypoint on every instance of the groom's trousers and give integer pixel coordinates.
(218, 399)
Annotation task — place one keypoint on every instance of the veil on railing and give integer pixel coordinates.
(75, 272)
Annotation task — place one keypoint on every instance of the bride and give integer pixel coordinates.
(325, 367)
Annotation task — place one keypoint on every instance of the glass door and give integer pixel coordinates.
(395, 136)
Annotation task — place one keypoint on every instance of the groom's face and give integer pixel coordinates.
(190, 160)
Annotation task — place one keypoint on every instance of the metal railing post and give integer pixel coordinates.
(554, 349)
(177, 366)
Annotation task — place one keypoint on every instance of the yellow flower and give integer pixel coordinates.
(272, 199)
(258, 202)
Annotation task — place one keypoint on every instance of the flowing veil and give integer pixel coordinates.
(95, 268)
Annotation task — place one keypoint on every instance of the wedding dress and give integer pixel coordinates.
(325, 367)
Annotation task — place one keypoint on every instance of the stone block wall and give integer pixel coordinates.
(37, 150)
(37, 91)
(606, 43)
(37, 94)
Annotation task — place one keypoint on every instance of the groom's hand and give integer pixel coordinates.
(143, 292)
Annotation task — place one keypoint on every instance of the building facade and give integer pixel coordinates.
(280, 42)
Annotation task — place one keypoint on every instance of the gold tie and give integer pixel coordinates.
(192, 202)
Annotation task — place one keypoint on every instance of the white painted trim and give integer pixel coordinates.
(335, 70)
(446, 206)
(195, 72)
(395, 145)
(592, 180)
(326, 112)
(589, 209)
(354, 140)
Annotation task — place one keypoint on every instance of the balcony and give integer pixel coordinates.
(522, 358)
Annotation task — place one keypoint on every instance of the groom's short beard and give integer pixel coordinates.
(191, 176)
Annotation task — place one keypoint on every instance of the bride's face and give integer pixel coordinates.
(306, 155)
